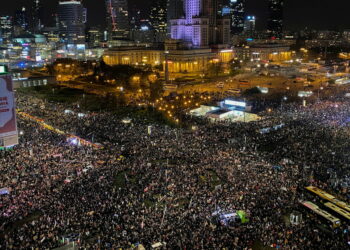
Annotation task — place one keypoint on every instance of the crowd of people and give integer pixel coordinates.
(163, 184)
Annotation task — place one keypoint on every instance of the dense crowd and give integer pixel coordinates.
(163, 185)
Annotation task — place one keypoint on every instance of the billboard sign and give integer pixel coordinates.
(235, 103)
(8, 125)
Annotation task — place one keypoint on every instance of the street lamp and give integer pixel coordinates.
(202, 76)
(321, 88)
(283, 99)
(166, 66)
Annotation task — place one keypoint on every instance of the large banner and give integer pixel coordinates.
(8, 125)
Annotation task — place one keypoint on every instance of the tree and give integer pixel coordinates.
(159, 67)
(156, 90)
(215, 68)
(252, 91)
(235, 67)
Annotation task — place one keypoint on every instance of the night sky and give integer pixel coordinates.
(317, 14)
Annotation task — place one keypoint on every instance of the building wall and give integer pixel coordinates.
(225, 56)
(179, 61)
(175, 9)
(223, 30)
(6, 26)
(267, 53)
(200, 26)
(72, 19)
(133, 57)
(117, 18)
(191, 61)
(237, 16)
(275, 19)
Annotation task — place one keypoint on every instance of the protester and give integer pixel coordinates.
(163, 186)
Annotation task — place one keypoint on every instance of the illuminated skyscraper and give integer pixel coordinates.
(94, 37)
(72, 19)
(210, 9)
(175, 9)
(135, 17)
(6, 27)
(36, 21)
(237, 16)
(249, 25)
(275, 21)
(201, 25)
(118, 19)
(158, 19)
(21, 19)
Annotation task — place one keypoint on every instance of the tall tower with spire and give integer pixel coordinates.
(36, 21)
(118, 19)
(275, 20)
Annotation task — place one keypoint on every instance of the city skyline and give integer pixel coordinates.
(295, 16)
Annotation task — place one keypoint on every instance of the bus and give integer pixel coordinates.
(334, 222)
(234, 91)
(170, 87)
(328, 197)
(345, 214)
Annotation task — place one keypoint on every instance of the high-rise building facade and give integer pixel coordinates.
(118, 19)
(36, 16)
(158, 15)
(249, 25)
(21, 19)
(135, 18)
(210, 9)
(72, 19)
(94, 37)
(237, 15)
(175, 10)
(201, 25)
(6, 27)
(158, 19)
(275, 20)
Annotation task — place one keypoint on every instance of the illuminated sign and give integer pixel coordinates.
(226, 50)
(235, 103)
